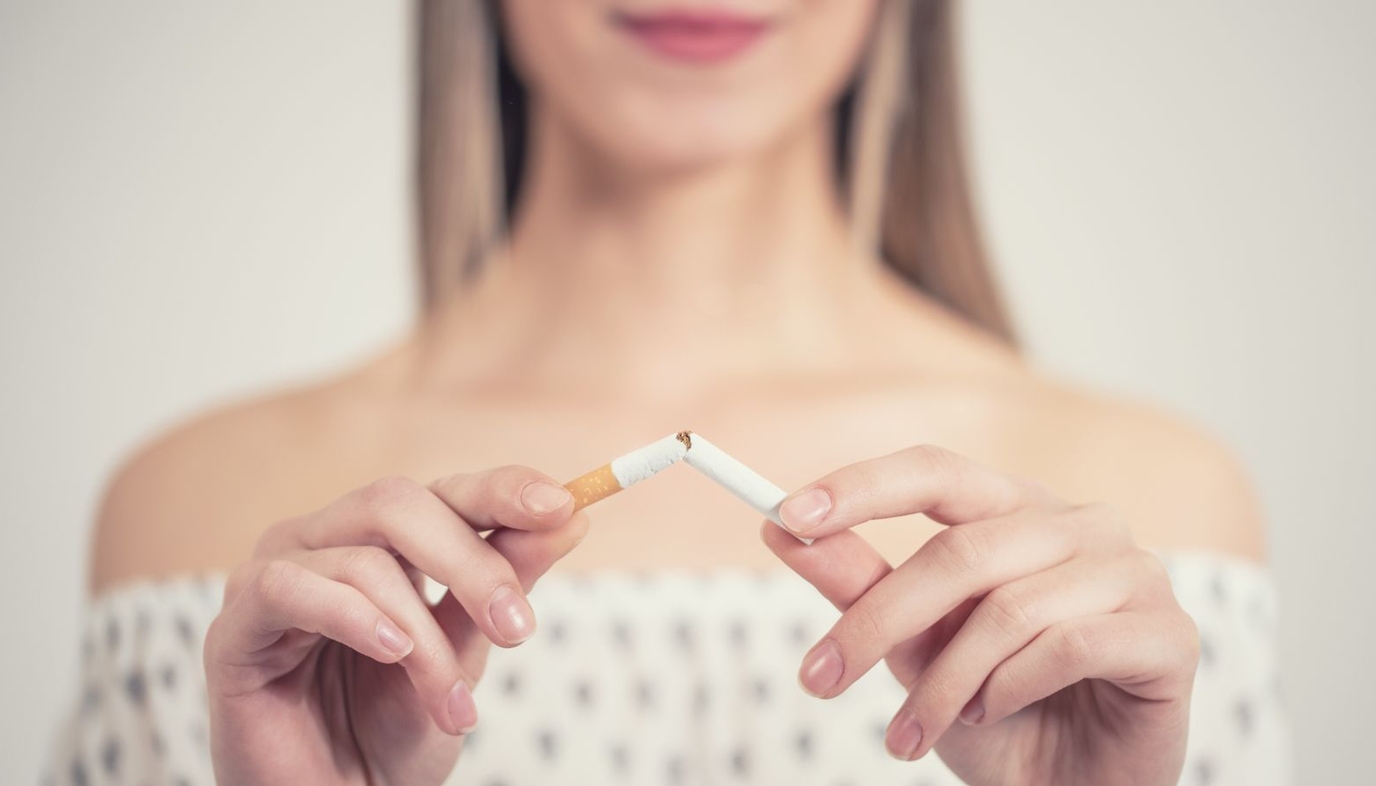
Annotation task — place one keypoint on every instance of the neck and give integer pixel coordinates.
(626, 279)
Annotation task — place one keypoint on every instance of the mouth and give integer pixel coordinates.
(701, 37)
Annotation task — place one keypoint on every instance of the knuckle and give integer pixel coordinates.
(1151, 569)
(865, 622)
(960, 549)
(927, 458)
(1074, 649)
(1008, 611)
(1102, 517)
(369, 566)
(1190, 641)
(238, 579)
(937, 691)
(277, 578)
(388, 493)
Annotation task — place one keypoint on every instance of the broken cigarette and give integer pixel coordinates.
(727, 472)
(626, 471)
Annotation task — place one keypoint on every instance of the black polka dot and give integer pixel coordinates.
(683, 634)
(645, 694)
(702, 698)
(879, 730)
(802, 741)
(79, 776)
(186, 631)
(1206, 652)
(674, 769)
(169, 676)
(1244, 716)
(738, 634)
(111, 635)
(109, 756)
(558, 631)
(583, 693)
(1204, 772)
(511, 684)
(797, 633)
(621, 632)
(620, 758)
(548, 744)
(1219, 589)
(761, 690)
(740, 762)
(136, 688)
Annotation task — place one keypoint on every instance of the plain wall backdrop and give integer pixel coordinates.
(199, 201)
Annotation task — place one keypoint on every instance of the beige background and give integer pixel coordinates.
(199, 203)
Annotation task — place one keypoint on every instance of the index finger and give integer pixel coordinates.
(946, 487)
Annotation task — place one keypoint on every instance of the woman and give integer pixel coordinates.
(751, 221)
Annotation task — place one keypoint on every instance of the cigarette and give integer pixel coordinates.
(747, 484)
(628, 470)
(695, 451)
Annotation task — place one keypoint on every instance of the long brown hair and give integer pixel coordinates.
(900, 153)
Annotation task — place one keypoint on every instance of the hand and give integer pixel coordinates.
(326, 665)
(1038, 644)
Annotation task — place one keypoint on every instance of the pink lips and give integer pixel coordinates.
(695, 36)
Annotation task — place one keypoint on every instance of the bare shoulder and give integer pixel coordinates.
(1179, 485)
(197, 495)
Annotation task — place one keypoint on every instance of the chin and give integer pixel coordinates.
(682, 135)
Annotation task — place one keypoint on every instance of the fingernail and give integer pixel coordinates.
(463, 713)
(511, 615)
(973, 712)
(905, 734)
(805, 511)
(821, 668)
(395, 642)
(541, 497)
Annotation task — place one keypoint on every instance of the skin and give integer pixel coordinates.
(679, 260)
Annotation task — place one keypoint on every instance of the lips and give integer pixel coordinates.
(694, 36)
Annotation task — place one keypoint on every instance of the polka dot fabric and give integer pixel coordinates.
(667, 678)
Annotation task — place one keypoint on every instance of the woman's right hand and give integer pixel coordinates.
(326, 665)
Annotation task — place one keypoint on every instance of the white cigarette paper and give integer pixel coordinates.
(648, 461)
(747, 484)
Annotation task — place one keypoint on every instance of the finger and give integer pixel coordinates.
(1002, 623)
(531, 553)
(842, 567)
(403, 516)
(956, 564)
(431, 664)
(925, 479)
(278, 597)
(1149, 654)
(512, 496)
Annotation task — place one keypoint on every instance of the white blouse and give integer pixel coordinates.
(670, 677)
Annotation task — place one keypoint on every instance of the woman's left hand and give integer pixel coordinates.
(1038, 643)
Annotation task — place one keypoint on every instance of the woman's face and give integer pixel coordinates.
(674, 84)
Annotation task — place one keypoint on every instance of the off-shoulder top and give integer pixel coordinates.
(671, 677)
